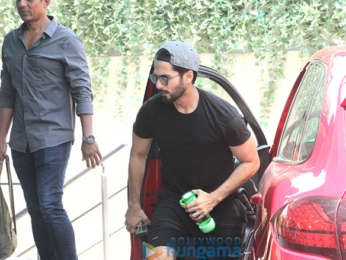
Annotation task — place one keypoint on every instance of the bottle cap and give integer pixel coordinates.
(187, 198)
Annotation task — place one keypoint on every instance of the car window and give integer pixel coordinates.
(298, 138)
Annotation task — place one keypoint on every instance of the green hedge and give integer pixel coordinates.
(268, 28)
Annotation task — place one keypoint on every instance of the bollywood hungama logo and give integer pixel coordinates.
(204, 248)
(149, 252)
(201, 248)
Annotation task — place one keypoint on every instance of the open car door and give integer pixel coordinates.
(152, 177)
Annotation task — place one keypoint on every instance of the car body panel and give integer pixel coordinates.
(274, 251)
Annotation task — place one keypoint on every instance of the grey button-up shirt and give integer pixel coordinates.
(44, 85)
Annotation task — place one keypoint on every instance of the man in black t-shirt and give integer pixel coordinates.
(198, 133)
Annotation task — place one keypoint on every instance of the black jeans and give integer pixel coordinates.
(171, 226)
(42, 175)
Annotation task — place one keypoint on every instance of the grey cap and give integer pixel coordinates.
(182, 55)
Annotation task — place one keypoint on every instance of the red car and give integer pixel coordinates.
(301, 212)
(300, 188)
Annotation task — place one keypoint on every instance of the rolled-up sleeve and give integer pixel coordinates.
(7, 92)
(77, 74)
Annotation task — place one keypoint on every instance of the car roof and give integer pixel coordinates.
(327, 54)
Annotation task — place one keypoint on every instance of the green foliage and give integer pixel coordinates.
(98, 73)
(9, 18)
(268, 28)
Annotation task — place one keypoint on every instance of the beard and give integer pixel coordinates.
(174, 95)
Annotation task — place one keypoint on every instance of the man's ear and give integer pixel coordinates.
(46, 3)
(189, 76)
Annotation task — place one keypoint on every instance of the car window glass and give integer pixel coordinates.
(302, 123)
(311, 128)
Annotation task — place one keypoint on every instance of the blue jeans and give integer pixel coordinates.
(42, 175)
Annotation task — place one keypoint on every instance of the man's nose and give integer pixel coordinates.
(159, 85)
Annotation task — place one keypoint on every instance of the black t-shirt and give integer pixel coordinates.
(194, 148)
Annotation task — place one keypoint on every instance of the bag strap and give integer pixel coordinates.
(10, 188)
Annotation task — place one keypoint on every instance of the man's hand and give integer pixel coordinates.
(133, 216)
(204, 203)
(91, 154)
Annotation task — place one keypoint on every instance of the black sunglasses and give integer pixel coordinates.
(162, 78)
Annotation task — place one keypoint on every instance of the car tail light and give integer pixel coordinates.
(308, 225)
(341, 220)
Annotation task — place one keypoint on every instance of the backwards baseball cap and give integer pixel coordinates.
(182, 55)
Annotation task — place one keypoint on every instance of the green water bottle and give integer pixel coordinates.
(207, 223)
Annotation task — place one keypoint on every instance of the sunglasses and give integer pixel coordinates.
(162, 78)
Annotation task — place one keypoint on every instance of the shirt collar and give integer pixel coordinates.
(52, 26)
(49, 31)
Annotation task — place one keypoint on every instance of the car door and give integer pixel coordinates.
(152, 179)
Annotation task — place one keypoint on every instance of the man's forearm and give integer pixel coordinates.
(5, 121)
(249, 164)
(136, 176)
(87, 124)
(238, 177)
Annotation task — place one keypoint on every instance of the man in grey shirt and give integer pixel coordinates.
(44, 82)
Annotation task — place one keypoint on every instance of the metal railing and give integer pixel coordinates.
(79, 175)
(84, 214)
(104, 203)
